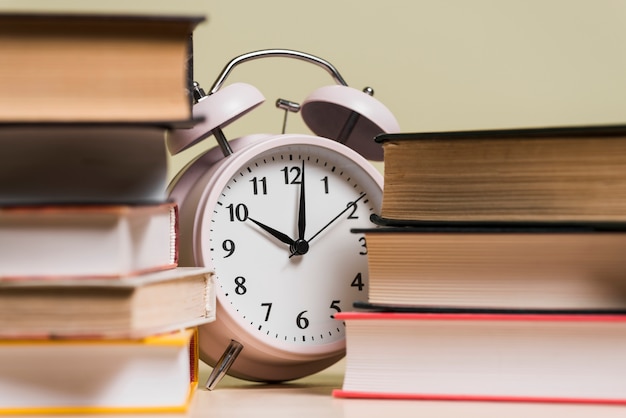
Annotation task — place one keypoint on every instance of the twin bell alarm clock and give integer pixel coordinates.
(272, 215)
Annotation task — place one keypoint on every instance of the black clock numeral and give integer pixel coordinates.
(325, 181)
(239, 212)
(240, 287)
(269, 309)
(363, 245)
(229, 246)
(335, 305)
(358, 282)
(352, 214)
(301, 321)
(293, 175)
(255, 185)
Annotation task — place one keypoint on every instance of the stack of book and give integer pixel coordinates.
(498, 270)
(95, 314)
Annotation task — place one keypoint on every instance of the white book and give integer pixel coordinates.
(87, 240)
(155, 374)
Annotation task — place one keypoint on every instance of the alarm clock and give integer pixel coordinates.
(272, 215)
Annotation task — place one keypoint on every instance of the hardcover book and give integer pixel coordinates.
(87, 240)
(559, 174)
(98, 308)
(118, 67)
(154, 374)
(485, 357)
(77, 163)
(506, 266)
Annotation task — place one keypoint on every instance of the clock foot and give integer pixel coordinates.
(223, 364)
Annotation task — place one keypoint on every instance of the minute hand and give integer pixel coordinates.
(301, 209)
(336, 217)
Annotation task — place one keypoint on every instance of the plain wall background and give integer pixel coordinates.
(437, 64)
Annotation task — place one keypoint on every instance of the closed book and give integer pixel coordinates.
(485, 357)
(498, 267)
(570, 173)
(125, 307)
(87, 240)
(155, 374)
(72, 163)
(95, 67)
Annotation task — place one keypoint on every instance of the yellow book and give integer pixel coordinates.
(154, 374)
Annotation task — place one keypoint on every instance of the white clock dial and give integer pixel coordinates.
(277, 232)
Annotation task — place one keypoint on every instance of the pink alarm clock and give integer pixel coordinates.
(272, 215)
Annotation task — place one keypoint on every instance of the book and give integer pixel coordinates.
(87, 240)
(506, 267)
(69, 163)
(95, 67)
(560, 174)
(125, 307)
(485, 357)
(154, 374)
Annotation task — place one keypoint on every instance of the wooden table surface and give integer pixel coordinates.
(310, 397)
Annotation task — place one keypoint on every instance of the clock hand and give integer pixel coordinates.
(307, 242)
(350, 204)
(300, 246)
(276, 234)
(302, 209)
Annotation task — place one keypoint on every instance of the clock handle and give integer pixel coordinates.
(221, 368)
(338, 112)
(199, 95)
(288, 53)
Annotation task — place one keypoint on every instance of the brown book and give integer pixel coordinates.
(131, 306)
(567, 174)
(88, 67)
(506, 268)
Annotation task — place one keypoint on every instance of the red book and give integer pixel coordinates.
(563, 358)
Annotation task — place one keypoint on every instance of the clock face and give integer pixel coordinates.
(279, 239)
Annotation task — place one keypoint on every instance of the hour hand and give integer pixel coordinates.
(276, 234)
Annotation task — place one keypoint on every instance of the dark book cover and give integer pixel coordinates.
(616, 130)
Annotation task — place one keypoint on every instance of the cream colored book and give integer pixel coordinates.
(132, 306)
(505, 267)
(574, 358)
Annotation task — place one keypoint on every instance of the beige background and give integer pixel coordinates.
(437, 64)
